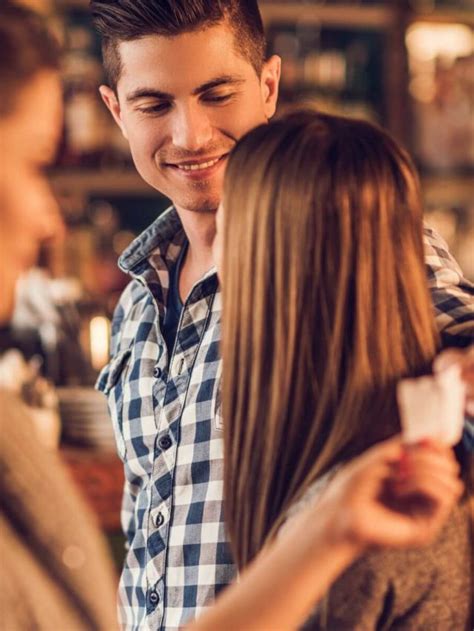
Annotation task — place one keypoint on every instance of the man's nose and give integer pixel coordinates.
(192, 129)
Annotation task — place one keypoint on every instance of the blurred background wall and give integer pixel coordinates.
(406, 64)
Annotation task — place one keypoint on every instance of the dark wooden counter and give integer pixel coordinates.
(100, 476)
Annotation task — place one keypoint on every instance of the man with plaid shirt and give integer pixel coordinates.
(186, 81)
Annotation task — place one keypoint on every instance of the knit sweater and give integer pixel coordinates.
(55, 572)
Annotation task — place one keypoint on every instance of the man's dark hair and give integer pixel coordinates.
(26, 48)
(124, 20)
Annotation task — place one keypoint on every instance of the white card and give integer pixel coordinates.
(433, 406)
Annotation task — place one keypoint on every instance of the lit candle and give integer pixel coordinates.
(99, 330)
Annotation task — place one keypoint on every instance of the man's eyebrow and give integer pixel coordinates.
(218, 81)
(141, 93)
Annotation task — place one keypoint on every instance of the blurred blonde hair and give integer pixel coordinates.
(326, 305)
(28, 47)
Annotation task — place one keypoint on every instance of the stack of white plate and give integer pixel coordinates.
(85, 418)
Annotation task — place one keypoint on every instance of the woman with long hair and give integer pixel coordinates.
(325, 309)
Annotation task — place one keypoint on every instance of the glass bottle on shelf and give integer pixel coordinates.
(85, 118)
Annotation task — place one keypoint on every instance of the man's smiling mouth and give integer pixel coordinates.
(197, 165)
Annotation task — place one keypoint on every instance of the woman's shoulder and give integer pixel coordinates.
(311, 495)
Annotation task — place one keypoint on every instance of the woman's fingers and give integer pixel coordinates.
(430, 471)
(411, 520)
(427, 490)
(399, 496)
(429, 457)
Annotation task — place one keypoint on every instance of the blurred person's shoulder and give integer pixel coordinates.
(14, 417)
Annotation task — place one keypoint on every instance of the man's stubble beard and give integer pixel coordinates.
(207, 206)
(199, 201)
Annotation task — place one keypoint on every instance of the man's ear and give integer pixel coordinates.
(111, 101)
(270, 80)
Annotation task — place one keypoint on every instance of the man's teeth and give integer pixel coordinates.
(197, 167)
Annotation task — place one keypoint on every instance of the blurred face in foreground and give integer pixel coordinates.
(29, 214)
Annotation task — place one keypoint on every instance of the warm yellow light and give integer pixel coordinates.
(99, 331)
(426, 41)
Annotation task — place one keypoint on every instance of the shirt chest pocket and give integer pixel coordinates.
(112, 383)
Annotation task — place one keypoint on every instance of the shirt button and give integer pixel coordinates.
(153, 597)
(157, 372)
(159, 520)
(165, 442)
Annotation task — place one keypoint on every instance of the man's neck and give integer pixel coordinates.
(200, 229)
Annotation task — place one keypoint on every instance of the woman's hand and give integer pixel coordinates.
(394, 495)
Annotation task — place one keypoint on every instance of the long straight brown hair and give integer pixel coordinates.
(326, 306)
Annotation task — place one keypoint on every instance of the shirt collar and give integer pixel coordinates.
(166, 229)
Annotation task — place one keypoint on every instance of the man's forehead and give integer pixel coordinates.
(188, 60)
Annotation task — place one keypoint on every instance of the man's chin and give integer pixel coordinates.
(201, 206)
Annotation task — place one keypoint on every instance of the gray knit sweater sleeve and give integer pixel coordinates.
(405, 590)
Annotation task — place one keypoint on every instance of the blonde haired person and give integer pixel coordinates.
(325, 308)
(55, 572)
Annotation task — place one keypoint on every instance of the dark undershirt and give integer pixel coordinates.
(174, 305)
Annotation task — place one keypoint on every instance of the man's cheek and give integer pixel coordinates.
(143, 152)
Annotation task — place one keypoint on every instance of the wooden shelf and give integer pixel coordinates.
(341, 15)
(350, 16)
(89, 181)
(448, 189)
(344, 14)
(436, 188)
(100, 477)
(445, 16)
(331, 15)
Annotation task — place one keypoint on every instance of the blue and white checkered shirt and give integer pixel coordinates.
(168, 426)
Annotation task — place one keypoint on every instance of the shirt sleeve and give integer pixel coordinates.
(452, 294)
(110, 383)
